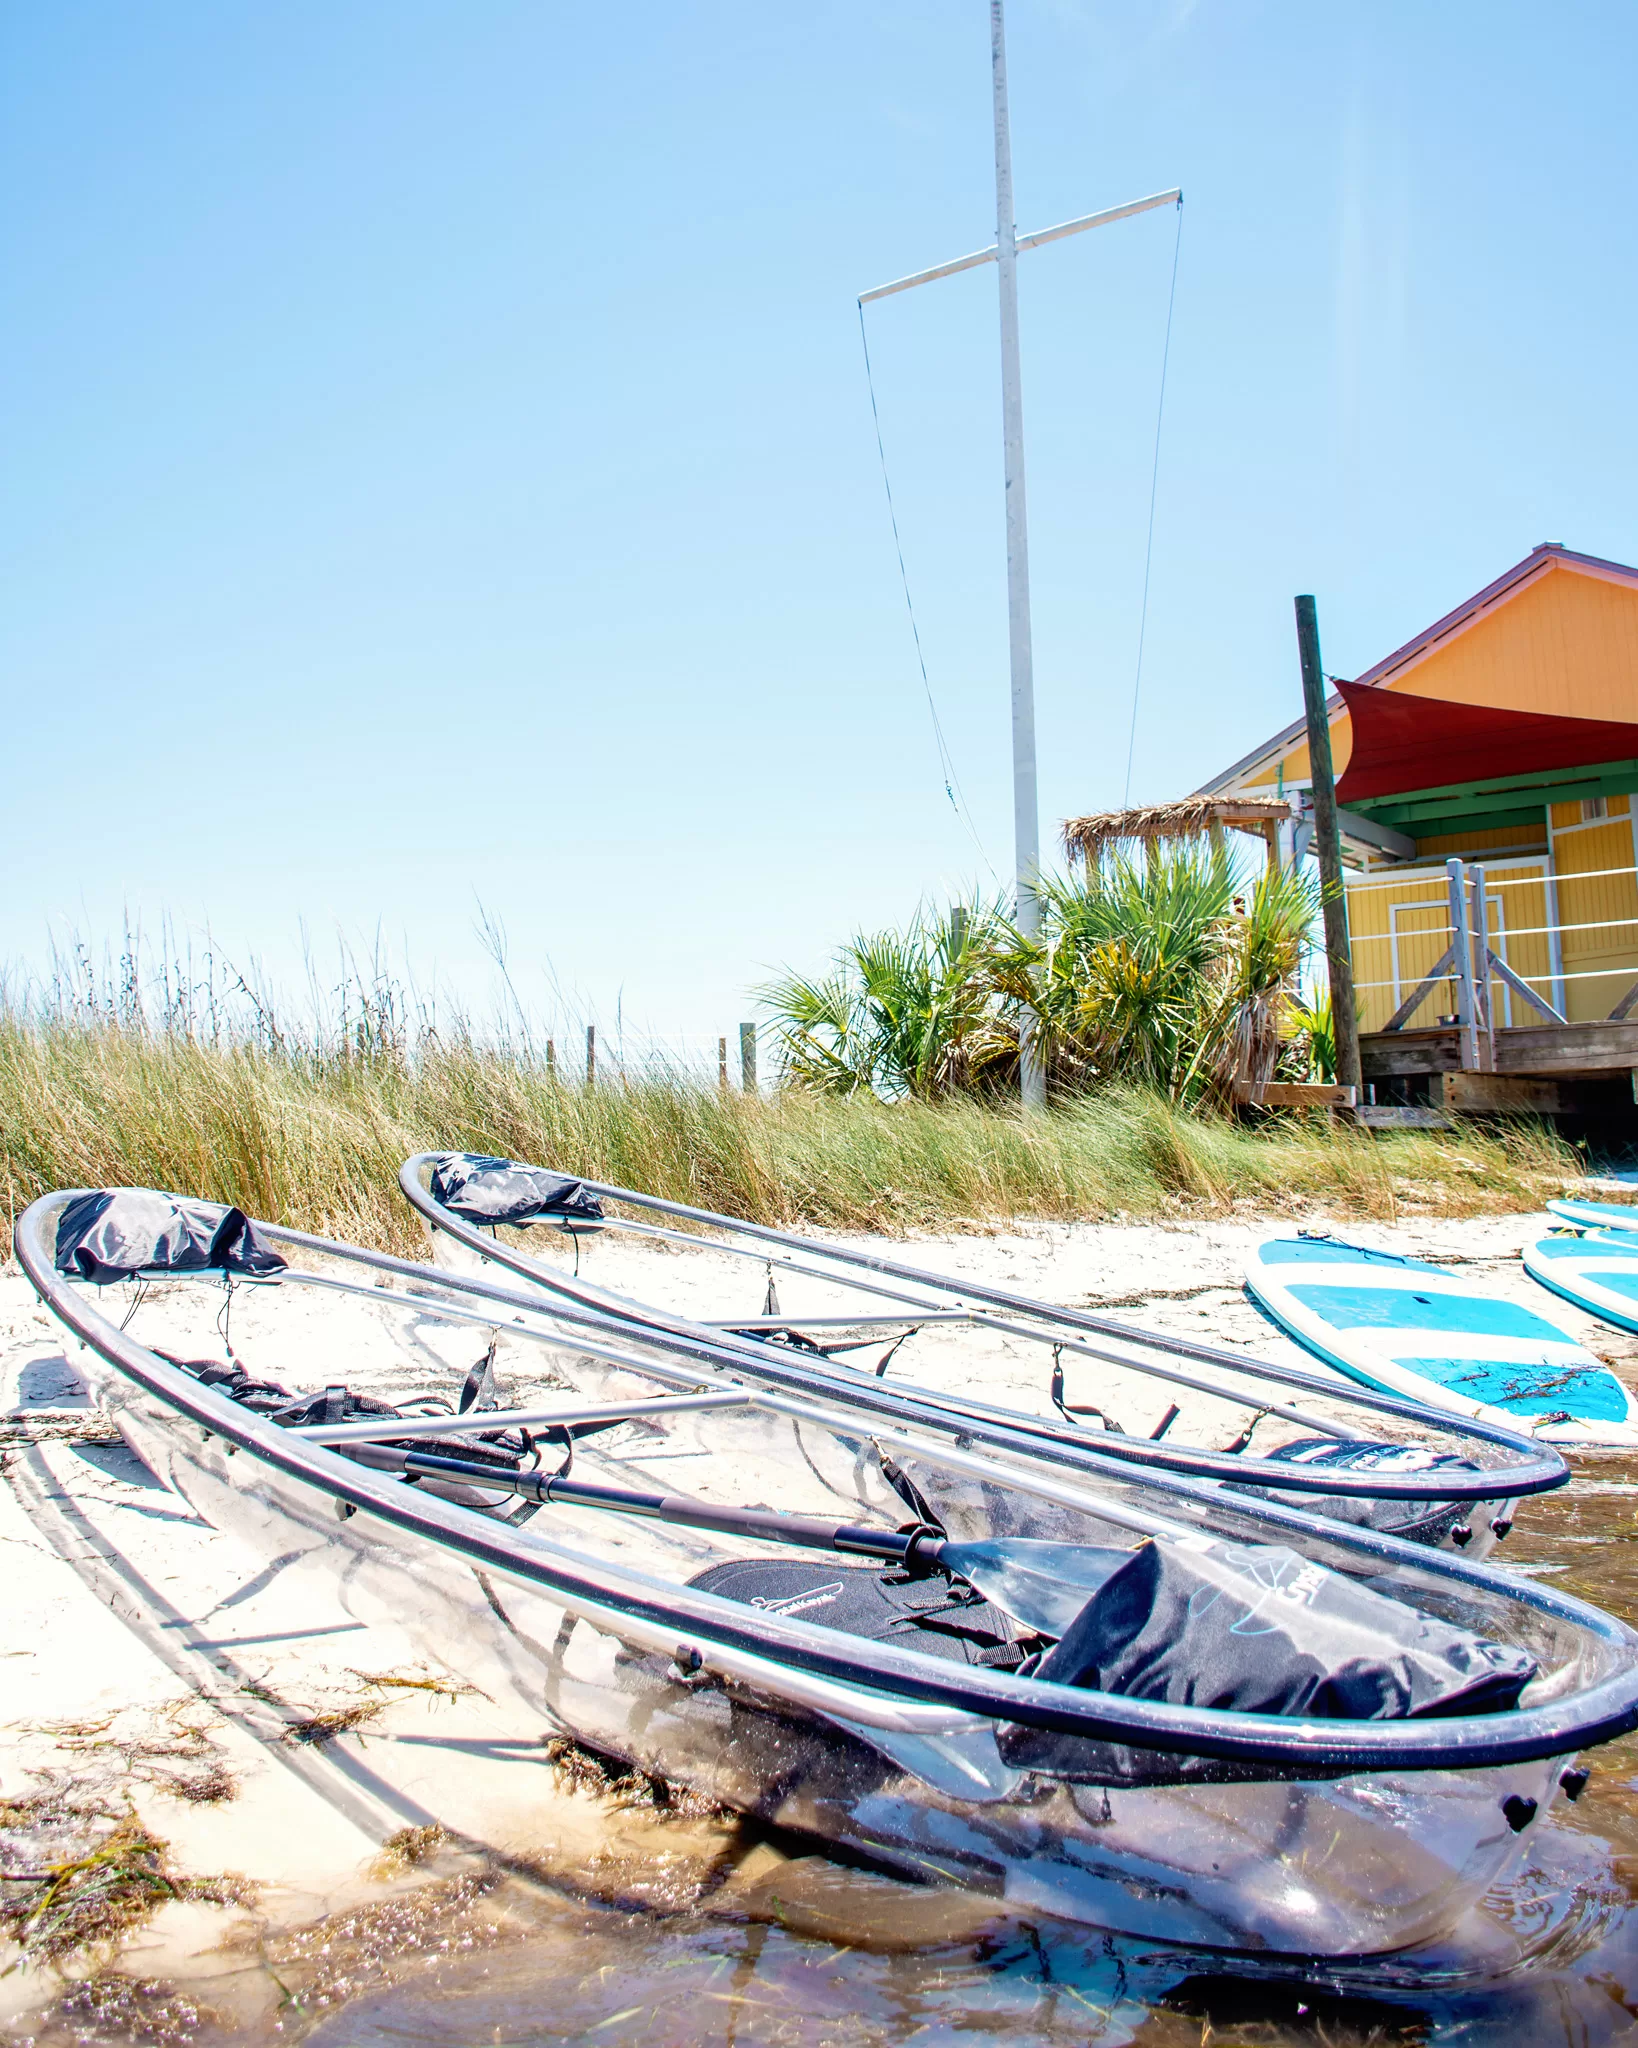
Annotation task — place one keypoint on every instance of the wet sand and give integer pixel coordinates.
(352, 1848)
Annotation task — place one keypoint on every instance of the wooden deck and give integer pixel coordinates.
(1543, 1049)
(1538, 1067)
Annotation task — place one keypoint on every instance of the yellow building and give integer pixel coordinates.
(1506, 735)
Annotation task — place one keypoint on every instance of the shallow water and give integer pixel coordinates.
(815, 1954)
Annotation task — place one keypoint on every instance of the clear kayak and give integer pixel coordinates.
(799, 1311)
(1130, 1698)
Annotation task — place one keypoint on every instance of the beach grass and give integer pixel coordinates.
(314, 1138)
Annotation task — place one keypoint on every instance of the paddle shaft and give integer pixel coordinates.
(807, 1532)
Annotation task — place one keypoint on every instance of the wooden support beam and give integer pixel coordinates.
(1423, 989)
(1521, 987)
(1499, 1094)
(1366, 831)
(1293, 1095)
(1557, 787)
(1624, 1007)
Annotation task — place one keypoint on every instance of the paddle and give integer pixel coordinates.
(1043, 1585)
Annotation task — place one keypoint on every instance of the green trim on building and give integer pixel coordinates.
(1486, 806)
(1455, 824)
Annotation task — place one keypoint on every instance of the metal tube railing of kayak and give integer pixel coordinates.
(384, 1428)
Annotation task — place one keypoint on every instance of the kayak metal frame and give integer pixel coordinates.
(876, 1684)
(1535, 1468)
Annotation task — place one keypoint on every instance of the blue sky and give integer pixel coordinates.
(440, 467)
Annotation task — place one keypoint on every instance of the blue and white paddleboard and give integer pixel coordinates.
(1414, 1330)
(1598, 1272)
(1596, 1215)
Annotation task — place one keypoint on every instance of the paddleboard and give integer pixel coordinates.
(1416, 1330)
(1598, 1272)
(1596, 1215)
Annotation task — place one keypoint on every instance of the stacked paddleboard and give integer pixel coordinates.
(1594, 1262)
(1596, 1215)
(1416, 1330)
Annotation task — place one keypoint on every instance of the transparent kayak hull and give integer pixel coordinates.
(1152, 1398)
(1362, 1865)
(588, 1629)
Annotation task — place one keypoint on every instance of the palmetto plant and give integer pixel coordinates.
(1123, 974)
(902, 1013)
(1255, 976)
(1311, 1031)
(1162, 971)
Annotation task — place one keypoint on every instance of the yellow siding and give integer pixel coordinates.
(1566, 643)
(1598, 907)
(1570, 813)
(1401, 924)
(1294, 766)
(1422, 910)
(1518, 904)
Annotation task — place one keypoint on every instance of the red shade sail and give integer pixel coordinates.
(1404, 743)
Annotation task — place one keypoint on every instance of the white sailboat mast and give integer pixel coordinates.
(1026, 811)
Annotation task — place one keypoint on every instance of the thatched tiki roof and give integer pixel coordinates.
(1192, 817)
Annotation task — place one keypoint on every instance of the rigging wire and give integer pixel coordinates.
(1154, 483)
(952, 782)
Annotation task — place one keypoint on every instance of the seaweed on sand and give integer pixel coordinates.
(93, 1898)
(580, 1769)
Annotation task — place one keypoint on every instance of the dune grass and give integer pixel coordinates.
(315, 1138)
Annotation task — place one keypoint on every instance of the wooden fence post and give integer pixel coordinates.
(747, 1058)
(591, 1055)
(722, 1063)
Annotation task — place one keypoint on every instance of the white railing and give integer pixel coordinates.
(1470, 962)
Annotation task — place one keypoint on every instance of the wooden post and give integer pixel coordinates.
(1328, 847)
(747, 1058)
(591, 1055)
(1483, 1010)
(722, 1064)
(1461, 945)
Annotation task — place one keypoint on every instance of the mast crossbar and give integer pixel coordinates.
(1035, 241)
